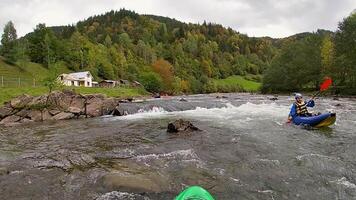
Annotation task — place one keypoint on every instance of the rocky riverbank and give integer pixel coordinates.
(58, 105)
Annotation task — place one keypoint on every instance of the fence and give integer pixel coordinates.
(19, 82)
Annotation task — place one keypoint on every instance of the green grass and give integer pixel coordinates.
(27, 73)
(236, 83)
(7, 94)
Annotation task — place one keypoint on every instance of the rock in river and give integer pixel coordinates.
(181, 125)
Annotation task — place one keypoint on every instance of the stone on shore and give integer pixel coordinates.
(10, 119)
(63, 116)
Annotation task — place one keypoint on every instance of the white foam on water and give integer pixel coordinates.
(187, 156)
(247, 112)
(120, 196)
(311, 155)
(344, 182)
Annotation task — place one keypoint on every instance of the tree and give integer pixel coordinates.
(327, 55)
(299, 64)
(151, 81)
(8, 41)
(345, 47)
(165, 70)
(44, 47)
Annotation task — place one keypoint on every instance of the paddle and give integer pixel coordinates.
(323, 86)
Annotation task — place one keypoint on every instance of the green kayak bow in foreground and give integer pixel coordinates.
(194, 193)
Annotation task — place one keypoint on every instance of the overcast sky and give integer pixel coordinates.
(275, 18)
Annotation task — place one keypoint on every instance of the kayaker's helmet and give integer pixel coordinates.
(298, 95)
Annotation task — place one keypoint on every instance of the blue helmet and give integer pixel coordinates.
(297, 95)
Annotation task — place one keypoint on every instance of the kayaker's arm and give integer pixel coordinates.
(311, 103)
(293, 112)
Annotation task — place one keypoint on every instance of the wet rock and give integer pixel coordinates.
(94, 105)
(6, 111)
(221, 97)
(35, 115)
(273, 98)
(63, 116)
(21, 101)
(182, 99)
(24, 113)
(81, 160)
(54, 112)
(181, 126)
(108, 106)
(50, 163)
(10, 119)
(4, 171)
(338, 104)
(116, 112)
(26, 120)
(157, 95)
(46, 115)
(74, 110)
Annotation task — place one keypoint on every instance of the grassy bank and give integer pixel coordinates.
(7, 94)
(236, 84)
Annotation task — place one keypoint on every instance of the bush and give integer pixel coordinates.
(151, 81)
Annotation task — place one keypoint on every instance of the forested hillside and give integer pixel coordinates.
(163, 53)
(171, 56)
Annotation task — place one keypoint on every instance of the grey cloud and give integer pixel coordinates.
(276, 18)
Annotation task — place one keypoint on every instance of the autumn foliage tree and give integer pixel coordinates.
(165, 70)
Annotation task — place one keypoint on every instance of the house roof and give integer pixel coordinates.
(80, 75)
(76, 75)
(108, 81)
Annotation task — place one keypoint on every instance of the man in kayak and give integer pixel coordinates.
(299, 107)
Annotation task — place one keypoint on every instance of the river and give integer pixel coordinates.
(244, 151)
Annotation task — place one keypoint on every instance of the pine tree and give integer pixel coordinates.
(8, 41)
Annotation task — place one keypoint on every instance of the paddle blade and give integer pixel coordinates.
(326, 84)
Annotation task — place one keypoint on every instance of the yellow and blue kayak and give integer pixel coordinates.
(317, 121)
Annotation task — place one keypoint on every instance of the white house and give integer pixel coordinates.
(84, 79)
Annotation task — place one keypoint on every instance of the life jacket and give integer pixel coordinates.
(301, 108)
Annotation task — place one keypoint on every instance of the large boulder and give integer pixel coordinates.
(35, 115)
(181, 125)
(77, 102)
(59, 100)
(94, 105)
(109, 106)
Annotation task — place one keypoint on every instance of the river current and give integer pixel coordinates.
(244, 151)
